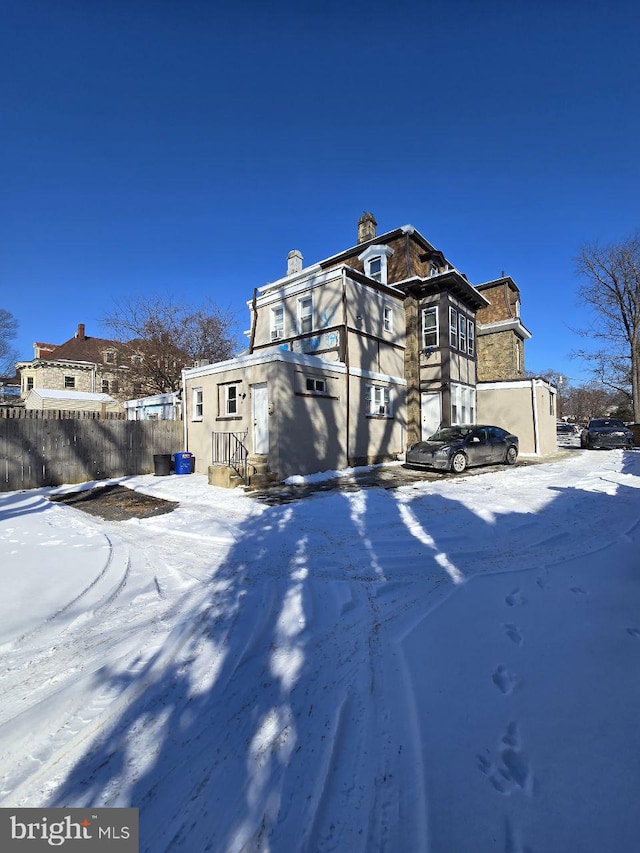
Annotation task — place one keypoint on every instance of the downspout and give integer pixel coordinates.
(536, 426)
(184, 411)
(346, 361)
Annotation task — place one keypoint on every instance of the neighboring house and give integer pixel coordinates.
(71, 401)
(350, 361)
(158, 407)
(83, 363)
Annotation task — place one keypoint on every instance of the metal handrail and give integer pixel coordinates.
(229, 448)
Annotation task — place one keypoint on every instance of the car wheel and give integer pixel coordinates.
(459, 463)
(511, 455)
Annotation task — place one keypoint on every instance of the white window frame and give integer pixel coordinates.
(453, 328)
(431, 309)
(379, 401)
(372, 254)
(433, 269)
(276, 326)
(197, 404)
(305, 317)
(109, 357)
(471, 337)
(463, 404)
(387, 317)
(462, 332)
(231, 400)
(315, 385)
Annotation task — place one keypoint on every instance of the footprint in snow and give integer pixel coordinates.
(577, 590)
(634, 632)
(514, 634)
(515, 598)
(512, 770)
(505, 681)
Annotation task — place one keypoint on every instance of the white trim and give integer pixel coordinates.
(372, 253)
(378, 377)
(263, 357)
(514, 325)
(514, 385)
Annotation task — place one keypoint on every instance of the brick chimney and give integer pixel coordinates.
(80, 333)
(294, 262)
(366, 227)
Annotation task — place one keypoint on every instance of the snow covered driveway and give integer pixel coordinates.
(448, 667)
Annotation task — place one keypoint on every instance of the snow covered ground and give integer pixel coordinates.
(449, 667)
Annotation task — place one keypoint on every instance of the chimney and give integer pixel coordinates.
(294, 262)
(80, 333)
(366, 227)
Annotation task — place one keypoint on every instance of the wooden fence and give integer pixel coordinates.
(48, 451)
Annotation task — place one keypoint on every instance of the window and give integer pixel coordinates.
(374, 269)
(430, 327)
(471, 337)
(318, 386)
(29, 383)
(109, 357)
(433, 269)
(378, 401)
(305, 315)
(231, 399)
(136, 359)
(387, 318)
(115, 386)
(463, 404)
(453, 328)
(374, 260)
(137, 389)
(197, 408)
(462, 332)
(69, 381)
(277, 322)
(105, 386)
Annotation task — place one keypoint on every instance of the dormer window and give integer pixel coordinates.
(375, 269)
(433, 269)
(374, 260)
(109, 357)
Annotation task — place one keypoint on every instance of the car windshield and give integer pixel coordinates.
(598, 423)
(448, 434)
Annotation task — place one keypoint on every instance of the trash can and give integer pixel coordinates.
(182, 463)
(161, 464)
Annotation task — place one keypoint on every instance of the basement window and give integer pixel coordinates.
(316, 386)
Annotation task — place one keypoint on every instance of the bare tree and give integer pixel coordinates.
(583, 402)
(611, 288)
(161, 336)
(8, 331)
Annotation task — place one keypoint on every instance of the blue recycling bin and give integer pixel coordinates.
(182, 463)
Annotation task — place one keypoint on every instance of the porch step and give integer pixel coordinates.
(224, 477)
(262, 480)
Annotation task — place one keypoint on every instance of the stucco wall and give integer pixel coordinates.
(526, 408)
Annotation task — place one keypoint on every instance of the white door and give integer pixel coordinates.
(260, 418)
(431, 413)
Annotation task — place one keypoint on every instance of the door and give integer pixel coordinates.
(260, 411)
(431, 413)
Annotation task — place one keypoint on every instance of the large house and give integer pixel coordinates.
(83, 363)
(356, 357)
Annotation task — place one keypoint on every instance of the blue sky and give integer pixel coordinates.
(186, 147)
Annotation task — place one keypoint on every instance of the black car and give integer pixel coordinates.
(458, 447)
(606, 432)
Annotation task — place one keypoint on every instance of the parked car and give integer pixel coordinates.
(458, 447)
(563, 428)
(606, 432)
